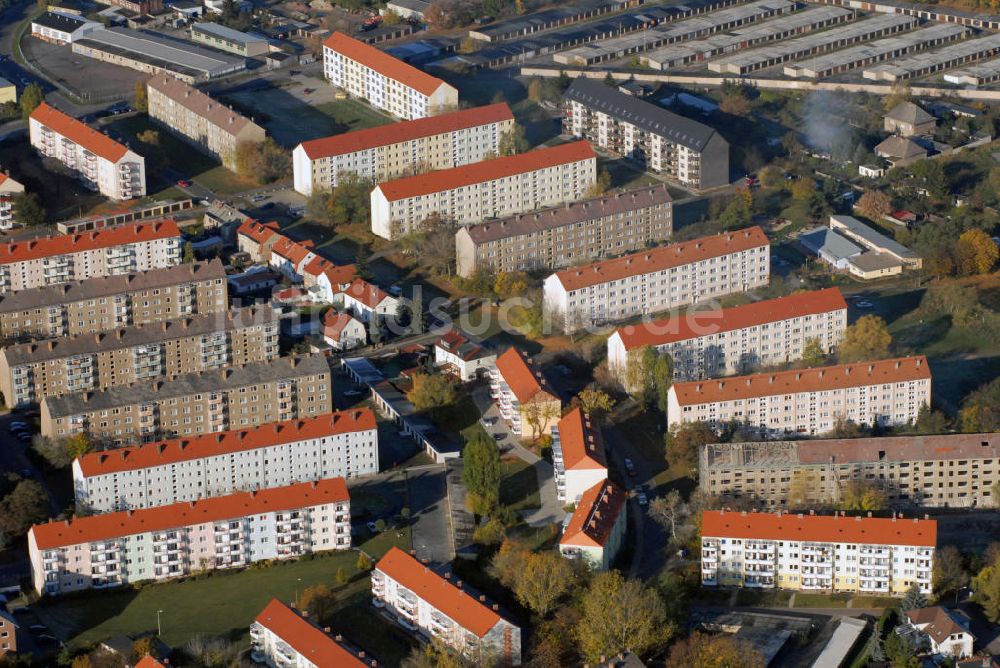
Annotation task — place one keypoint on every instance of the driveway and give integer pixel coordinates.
(431, 525)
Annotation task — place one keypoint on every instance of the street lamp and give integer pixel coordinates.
(159, 631)
(298, 582)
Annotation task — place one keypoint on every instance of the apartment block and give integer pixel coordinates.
(488, 189)
(522, 393)
(336, 445)
(32, 263)
(9, 630)
(578, 455)
(658, 279)
(103, 164)
(105, 551)
(195, 403)
(9, 190)
(112, 302)
(947, 471)
(596, 529)
(203, 122)
(682, 150)
(386, 83)
(283, 636)
(860, 555)
(440, 608)
(560, 236)
(807, 401)
(740, 339)
(408, 147)
(53, 367)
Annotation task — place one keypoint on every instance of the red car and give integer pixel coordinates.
(184, 183)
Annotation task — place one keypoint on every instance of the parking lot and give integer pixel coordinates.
(79, 73)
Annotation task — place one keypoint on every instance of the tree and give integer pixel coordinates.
(510, 284)
(949, 572)
(981, 409)
(434, 654)
(595, 402)
(736, 215)
(986, 586)
(513, 141)
(899, 651)
(804, 489)
(976, 252)
(601, 185)
(140, 96)
(431, 391)
(930, 421)
(28, 504)
(684, 443)
(434, 243)
(481, 473)
(931, 172)
(735, 104)
(535, 90)
(668, 511)
(211, 652)
(188, 252)
(715, 651)
(862, 495)
(31, 97)
(82, 661)
(375, 329)
(543, 579)
(364, 562)
(663, 378)
(150, 137)
(813, 353)
(618, 615)
(867, 339)
(874, 204)
(507, 563)
(538, 415)
(262, 162)
(28, 210)
(60, 452)
(771, 177)
(913, 599)
(342, 576)
(802, 188)
(143, 647)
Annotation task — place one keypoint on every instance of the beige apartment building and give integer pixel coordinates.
(560, 236)
(740, 339)
(203, 122)
(807, 401)
(947, 471)
(9, 190)
(31, 263)
(472, 193)
(658, 279)
(110, 302)
(408, 147)
(31, 371)
(195, 403)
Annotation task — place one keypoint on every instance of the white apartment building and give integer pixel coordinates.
(862, 555)
(103, 164)
(578, 455)
(488, 189)
(658, 279)
(523, 395)
(596, 529)
(718, 342)
(438, 607)
(33, 263)
(336, 445)
(283, 637)
(458, 354)
(384, 82)
(807, 401)
(103, 551)
(389, 151)
(9, 189)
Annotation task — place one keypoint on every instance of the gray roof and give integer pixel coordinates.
(139, 335)
(900, 147)
(907, 112)
(414, 5)
(593, 94)
(227, 33)
(170, 54)
(255, 373)
(59, 21)
(873, 237)
(823, 240)
(570, 213)
(92, 288)
(872, 261)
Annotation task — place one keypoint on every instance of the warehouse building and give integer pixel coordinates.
(225, 38)
(925, 64)
(976, 75)
(547, 19)
(61, 28)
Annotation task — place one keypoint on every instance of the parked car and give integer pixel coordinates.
(353, 393)
(183, 183)
(629, 466)
(499, 437)
(371, 527)
(642, 499)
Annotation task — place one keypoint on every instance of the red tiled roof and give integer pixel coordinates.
(441, 594)
(525, 380)
(595, 515)
(334, 324)
(581, 442)
(940, 622)
(258, 231)
(383, 63)
(458, 344)
(487, 170)
(835, 377)
(65, 244)
(395, 133)
(337, 274)
(96, 142)
(304, 637)
(366, 293)
(225, 442)
(149, 662)
(705, 323)
(241, 504)
(819, 528)
(294, 251)
(663, 257)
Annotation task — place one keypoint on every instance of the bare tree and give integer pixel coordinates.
(669, 511)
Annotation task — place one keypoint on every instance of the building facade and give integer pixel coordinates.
(103, 164)
(338, 445)
(386, 83)
(807, 401)
(283, 637)
(105, 551)
(61, 27)
(862, 555)
(196, 403)
(225, 38)
(111, 302)
(488, 189)
(201, 121)
(578, 455)
(424, 144)
(53, 367)
(527, 402)
(9, 190)
(8, 633)
(438, 608)
(946, 631)
(111, 251)
(684, 151)
(456, 353)
(596, 530)
(947, 471)
(740, 339)
(619, 222)
(658, 279)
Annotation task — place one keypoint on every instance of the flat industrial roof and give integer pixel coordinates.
(226, 32)
(160, 51)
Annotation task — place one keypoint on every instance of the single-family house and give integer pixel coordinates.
(342, 331)
(946, 630)
(457, 353)
(364, 299)
(290, 257)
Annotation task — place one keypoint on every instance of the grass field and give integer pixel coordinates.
(518, 485)
(820, 600)
(224, 605)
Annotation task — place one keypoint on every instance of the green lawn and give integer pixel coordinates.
(378, 544)
(772, 598)
(820, 600)
(518, 485)
(874, 602)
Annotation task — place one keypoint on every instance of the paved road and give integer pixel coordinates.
(428, 492)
